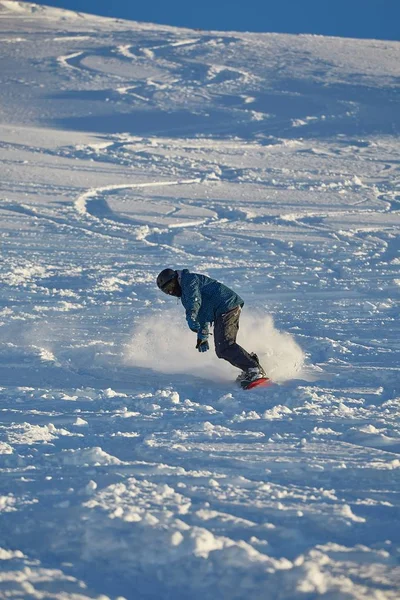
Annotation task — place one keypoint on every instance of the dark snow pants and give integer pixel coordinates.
(226, 327)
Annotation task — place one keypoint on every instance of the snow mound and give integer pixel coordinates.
(24, 577)
(139, 529)
(26, 433)
(89, 456)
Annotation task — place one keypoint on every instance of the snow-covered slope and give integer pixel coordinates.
(131, 466)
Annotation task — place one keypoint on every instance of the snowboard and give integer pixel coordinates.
(262, 382)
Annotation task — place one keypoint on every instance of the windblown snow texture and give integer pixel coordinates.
(132, 466)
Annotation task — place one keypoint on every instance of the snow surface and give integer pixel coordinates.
(132, 466)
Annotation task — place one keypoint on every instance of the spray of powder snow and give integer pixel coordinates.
(163, 343)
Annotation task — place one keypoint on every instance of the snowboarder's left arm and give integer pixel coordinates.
(192, 303)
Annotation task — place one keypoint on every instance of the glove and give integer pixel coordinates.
(202, 343)
(193, 324)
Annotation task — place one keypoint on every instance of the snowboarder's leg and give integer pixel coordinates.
(226, 327)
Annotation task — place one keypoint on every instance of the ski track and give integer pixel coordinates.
(270, 162)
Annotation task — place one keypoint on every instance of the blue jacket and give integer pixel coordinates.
(204, 298)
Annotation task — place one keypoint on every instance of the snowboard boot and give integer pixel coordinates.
(251, 375)
(244, 375)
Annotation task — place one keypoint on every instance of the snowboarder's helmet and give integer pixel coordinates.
(166, 280)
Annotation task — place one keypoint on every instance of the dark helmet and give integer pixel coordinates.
(165, 277)
(168, 283)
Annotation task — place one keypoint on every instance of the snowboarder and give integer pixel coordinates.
(208, 301)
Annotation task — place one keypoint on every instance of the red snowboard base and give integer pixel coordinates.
(262, 382)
